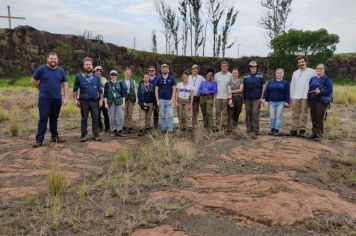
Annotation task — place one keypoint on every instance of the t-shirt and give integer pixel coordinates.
(235, 85)
(50, 81)
(184, 91)
(222, 82)
(300, 83)
(165, 87)
(195, 82)
(277, 91)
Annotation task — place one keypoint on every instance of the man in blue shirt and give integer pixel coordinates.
(90, 98)
(253, 90)
(165, 94)
(49, 79)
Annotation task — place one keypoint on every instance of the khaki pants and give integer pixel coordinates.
(196, 105)
(184, 113)
(221, 112)
(206, 105)
(145, 117)
(299, 114)
(252, 115)
(129, 107)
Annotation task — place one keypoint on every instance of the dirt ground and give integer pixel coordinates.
(235, 186)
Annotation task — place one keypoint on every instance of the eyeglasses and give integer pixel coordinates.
(113, 75)
(151, 70)
(320, 68)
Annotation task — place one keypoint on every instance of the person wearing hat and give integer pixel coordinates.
(194, 80)
(222, 79)
(114, 98)
(90, 98)
(184, 103)
(98, 70)
(130, 86)
(253, 90)
(155, 111)
(299, 96)
(165, 91)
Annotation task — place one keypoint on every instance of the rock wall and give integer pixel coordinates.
(24, 48)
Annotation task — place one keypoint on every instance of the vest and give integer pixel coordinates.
(131, 96)
(114, 94)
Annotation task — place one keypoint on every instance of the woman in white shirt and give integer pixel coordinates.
(184, 101)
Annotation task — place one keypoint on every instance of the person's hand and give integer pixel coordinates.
(123, 106)
(190, 107)
(106, 106)
(64, 102)
(158, 103)
(286, 104)
(171, 103)
(230, 102)
(317, 91)
(263, 100)
(100, 103)
(77, 103)
(145, 104)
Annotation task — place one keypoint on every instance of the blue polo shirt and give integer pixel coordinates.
(253, 86)
(165, 87)
(89, 85)
(50, 81)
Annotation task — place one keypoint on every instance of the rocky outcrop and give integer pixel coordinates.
(24, 48)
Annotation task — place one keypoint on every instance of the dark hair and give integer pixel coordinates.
(88, 59)
(152, 67)
(129, 67)
(224, 63)
(52, 54)
(300, 57)
(210, 70)
(235, 68)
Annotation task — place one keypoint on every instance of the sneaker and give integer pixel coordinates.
(121, 134)
(302, 133)
(276, 132)
(37, 144)
(113, 133)
(293, 132)
(57, 140)
(96, 138)
(317, 139)
(83, 139)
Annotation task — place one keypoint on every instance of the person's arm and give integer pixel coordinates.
(65, 93)
(292, 86)
(191, 99)
(176, 96)
(139, 94)
(263, 88)
(35, 83)
(123, 103)
(157, 96)
(106, 87)
(174, 90)
(101, 94)
(75, 92)
(287, 94)
(214, 88)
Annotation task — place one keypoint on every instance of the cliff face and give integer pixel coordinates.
(24, 48)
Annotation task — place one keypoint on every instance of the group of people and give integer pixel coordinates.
(158, 95)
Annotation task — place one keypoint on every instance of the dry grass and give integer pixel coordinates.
(4, 115)
(345, 94)
(70, 110)
(337, 225)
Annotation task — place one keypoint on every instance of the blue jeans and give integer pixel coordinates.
(166, 110)
(48, 109)
(276, 111)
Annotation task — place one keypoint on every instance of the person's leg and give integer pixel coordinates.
(239, 104)
(148, 117)
(278, 113)
(319, 118)
(296, 110)
(120, 118)
(256, 116)
(230, 116)
(304, 114)
(94, 110)
(106, 118)
(155, 116)
(248, 121)
(218, 110)
(100, 123)
(188, 115)
(44, 107)
(142, 119)
(312, 108)
(55, 109)
(272, 115)
(209, 111)
(180, 114)
(195, 112)
(170, 118)
(162, 113)
(84, 110)
(112, 117)
(130, 107)
(224, 113)
(204, 111)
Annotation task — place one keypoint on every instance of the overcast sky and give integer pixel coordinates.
(119, 21)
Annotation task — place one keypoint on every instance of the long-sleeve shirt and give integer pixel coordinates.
(300, 83)
(277, 91)
(145, 93)
(207, 87)
(325, 85)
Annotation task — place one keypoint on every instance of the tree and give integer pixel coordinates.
(154, 41)
(173, 26)
(318, 45)
(226, 29)
(215, 13)
(197, 24)
(161, 9)
(218, 46)
(275, 19)
(183, 10)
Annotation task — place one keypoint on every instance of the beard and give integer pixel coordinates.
(88, 70)
(52, 64)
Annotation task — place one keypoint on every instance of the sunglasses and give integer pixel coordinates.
(151, 70)
(113, 75)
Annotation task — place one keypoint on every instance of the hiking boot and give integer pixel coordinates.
(83, 139)
(121, 134)
(113, 133)
(57, 140)
(100, 130)
(317, 139)
(302, 133)
(37, 144)
(293, 132)
(97, 138)
(272, 132)
(276, 132)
